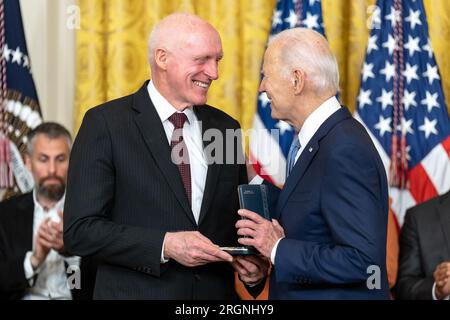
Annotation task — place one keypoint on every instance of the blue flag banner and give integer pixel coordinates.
(401, 104)
(19, 107)
(271, 139)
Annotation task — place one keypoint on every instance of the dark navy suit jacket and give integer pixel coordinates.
(334, 210)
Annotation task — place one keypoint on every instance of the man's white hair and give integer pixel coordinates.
(308, 50)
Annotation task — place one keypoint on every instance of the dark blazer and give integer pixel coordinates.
(16, 238)
(124, 193)
(334, 210)
(424, 244)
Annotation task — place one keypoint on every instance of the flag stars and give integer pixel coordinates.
(406, 126)
(6, 52)
(276, 19)
(394, 17)
(388, 71)
(386, 99)
(364, 98)
(431, 73)
(384, 125)
(367, 71)
(429, 127)
(264, 99)
(407, 153)
(428, 49)
(410, 73)
(430, 100)
(292, 19)
(409, 99)
(311, 21)
(376, 18)
(372, 44)
(17, 56)
(26, 62)
(390, 44)
(413, 18)
(412, 45)
(283, 126)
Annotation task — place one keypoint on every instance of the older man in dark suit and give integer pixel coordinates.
(146, 194)
(332, 211)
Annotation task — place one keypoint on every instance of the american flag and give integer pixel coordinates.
(19, 107)
(271, 139)
(401, 98)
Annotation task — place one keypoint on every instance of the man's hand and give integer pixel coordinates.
(52, 232)
(442, 278)
(264, 234)
(251, 269)
(191, 249)
(41, 247)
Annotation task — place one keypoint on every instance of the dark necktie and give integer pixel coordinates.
(295, 146)
(180, 155)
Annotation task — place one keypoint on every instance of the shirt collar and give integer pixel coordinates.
(316, 119)
(163, 107)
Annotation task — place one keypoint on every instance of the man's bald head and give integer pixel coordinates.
(184, 54)
(308, 50)
(174, 32)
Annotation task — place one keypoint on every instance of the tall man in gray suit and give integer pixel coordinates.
(153, 214)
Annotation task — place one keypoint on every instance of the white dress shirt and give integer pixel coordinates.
(308, 130)
(49, 281)
(192, 136)
(433, 292)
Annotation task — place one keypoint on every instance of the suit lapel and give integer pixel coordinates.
(25, 216)
(27, 208)
(151, 128)
(213, 168)
(444, 215)
(297, 173)
(307, 156)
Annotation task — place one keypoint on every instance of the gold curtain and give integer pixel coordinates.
(112, 47)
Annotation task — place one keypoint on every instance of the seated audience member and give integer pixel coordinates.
(424, 264)
(33, 262)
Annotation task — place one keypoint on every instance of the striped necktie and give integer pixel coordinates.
(178, 120)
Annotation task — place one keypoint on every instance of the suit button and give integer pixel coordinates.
(197, 277)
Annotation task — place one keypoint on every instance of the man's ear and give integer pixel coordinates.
(298, 81)
(161, 58)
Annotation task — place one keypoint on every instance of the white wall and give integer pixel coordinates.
(51, 46)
